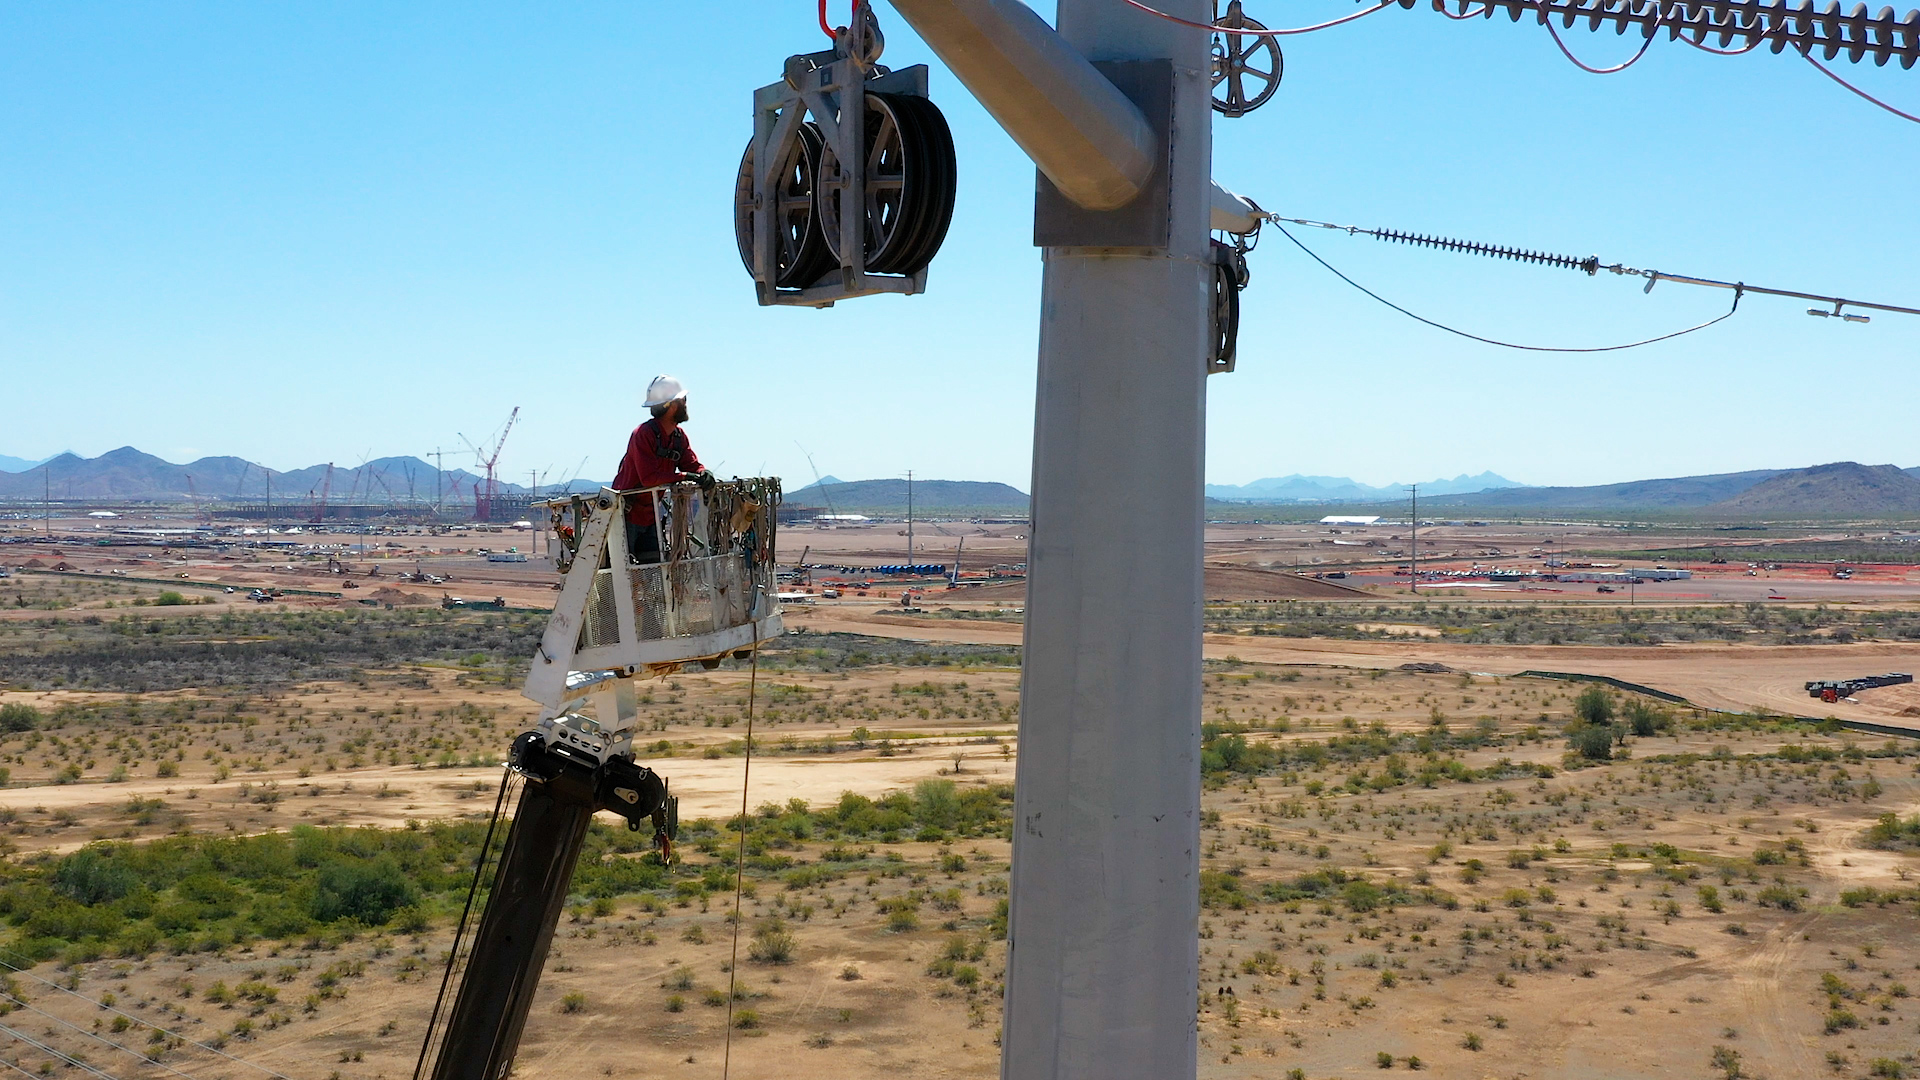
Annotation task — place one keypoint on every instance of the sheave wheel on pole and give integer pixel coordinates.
(1246, 67)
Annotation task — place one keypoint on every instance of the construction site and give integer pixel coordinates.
(385, 770)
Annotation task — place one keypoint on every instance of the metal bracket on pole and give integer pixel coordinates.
(1143, 222)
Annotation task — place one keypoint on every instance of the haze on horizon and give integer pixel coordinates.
(301, 235)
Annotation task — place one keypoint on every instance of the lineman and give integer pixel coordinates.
(657, 455)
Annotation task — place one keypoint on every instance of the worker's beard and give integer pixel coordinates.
(680, 411)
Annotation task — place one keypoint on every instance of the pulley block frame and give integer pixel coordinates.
(831, 92)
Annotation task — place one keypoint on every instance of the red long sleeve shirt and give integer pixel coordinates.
(653, 460)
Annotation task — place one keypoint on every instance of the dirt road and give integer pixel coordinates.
(1716, 676)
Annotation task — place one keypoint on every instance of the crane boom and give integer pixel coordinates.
(489, 461)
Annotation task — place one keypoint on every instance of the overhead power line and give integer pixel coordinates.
(136, 1019)
(62, 1055)
(1592, 265)
(22, 1003)
(1755, 22)
(1487, 340)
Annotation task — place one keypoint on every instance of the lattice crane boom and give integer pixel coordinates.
(489, 461)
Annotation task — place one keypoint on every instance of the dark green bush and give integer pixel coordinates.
(367, 892)
(17, 717)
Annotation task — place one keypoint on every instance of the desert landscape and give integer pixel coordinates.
(240, 835)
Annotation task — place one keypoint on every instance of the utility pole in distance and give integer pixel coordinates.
(1413, 576)
(1114, 108)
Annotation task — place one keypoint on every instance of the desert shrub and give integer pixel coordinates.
(368, 892)
(169, 598)
(1644, 718)
(1362, 896)
(1221, 889)
(1594, 743)
(17, 717)
(1891, 832)
(1594, 706)
(93, 875)
(772, 942)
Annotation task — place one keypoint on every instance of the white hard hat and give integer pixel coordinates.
(664, 388)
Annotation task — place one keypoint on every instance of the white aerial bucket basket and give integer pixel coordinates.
(713, 592)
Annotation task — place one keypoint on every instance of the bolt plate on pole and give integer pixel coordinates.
(1143, 223)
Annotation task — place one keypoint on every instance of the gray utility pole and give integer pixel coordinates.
(909, 523)
(1114, 108)
(1413, 575)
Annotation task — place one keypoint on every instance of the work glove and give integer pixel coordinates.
(705, 479)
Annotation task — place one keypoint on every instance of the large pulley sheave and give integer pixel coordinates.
(1246, 67)
(906, 194)
(800, 251)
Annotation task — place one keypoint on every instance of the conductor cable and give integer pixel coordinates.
(138, 1020)
(1493, 341)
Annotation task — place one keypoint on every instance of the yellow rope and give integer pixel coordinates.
(740, 865)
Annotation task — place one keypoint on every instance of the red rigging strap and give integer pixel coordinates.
(827, 28)
(1216, 28)
(1615, 69)
(1824, 70)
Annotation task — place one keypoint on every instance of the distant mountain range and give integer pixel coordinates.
(15, 464)
(1840, 489)
(889, 497)
(1328, 489)
(127, 474)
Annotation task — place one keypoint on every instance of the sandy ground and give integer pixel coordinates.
(1721, 677)
(1613, 971)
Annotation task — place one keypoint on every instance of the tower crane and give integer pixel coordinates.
(489, 461)
(320, 504)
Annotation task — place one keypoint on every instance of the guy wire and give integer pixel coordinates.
(740, 865)
(460, 929)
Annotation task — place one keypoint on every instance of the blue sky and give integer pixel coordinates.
(310, 232)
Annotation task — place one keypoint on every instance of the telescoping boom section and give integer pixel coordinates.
(703, 590)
